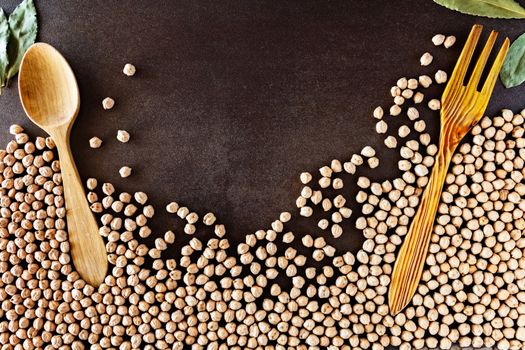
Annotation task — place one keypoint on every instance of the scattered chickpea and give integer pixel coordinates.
(402, 83)
(395, 110)
(337, 184)
(440, 77)
(449, 41)
(434, 104)
(91, 183)
(378, 113)
(172, 207)
(122, 136)
(141, 197)
(391, 142)
(425, 81)
(356, 159)
(325, 171)
(125, 171)
(209, 219)
(403, 131)
(323, 224)
(95, 142)
(305, 178)
(368, 152)
(420, 126)
(426, 59)
(438, 39)
(306, 211)
(373, 162)
(381, 127)
(108, 103)
(418, 97)
(349, 167)
(15, 129)
(285, 216)
(129, 70)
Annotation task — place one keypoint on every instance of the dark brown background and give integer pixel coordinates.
(233, 99)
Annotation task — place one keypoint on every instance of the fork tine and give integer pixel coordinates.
(482, 60)
(494, 70)
(458, 75)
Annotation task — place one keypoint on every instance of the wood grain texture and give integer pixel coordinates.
(462, 107)
(50, 97)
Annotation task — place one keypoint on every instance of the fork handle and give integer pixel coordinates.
(412, 256)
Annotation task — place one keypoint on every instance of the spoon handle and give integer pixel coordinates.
(87, 247)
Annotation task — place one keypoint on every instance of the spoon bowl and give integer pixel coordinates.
(48, 88)
(50, 98)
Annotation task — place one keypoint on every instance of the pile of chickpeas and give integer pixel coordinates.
(278, 289)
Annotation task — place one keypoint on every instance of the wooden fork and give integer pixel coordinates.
(461, 108)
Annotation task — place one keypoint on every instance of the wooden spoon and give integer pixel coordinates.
(49, 94)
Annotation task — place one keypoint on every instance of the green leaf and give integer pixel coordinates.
(4, 37)
(23, 27)
(513, 70)
(486, 8)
